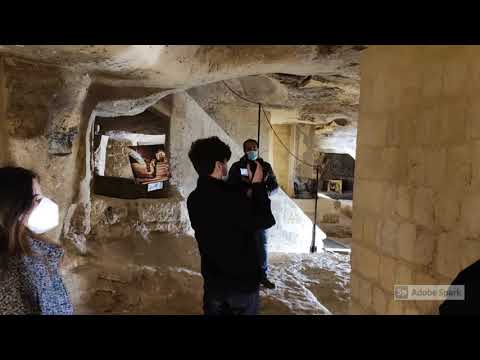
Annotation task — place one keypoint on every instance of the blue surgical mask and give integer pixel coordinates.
(252, 155)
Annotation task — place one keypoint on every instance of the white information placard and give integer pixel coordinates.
(155, 186)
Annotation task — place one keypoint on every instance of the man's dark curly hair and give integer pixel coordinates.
(204, 153)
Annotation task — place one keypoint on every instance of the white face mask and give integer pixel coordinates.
(44, 217)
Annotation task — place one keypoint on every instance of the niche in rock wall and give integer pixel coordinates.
(131, 156)
(338, 176)
(336, 181)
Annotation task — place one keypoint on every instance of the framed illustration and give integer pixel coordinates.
(150, 165)
(335, 186)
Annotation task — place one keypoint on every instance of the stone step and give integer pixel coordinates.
(335, 246)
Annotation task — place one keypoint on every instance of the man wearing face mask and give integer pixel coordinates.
(225, 220)
(239, 176)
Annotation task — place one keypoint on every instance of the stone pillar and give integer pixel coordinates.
(305, 150)
(291, 161)
(417, 193)
(265, 137)
(281, 158)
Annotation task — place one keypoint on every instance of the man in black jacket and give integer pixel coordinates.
(225, 220)
(239, 176)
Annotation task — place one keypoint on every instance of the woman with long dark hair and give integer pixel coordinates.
(30, 281)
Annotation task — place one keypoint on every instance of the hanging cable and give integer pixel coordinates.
(240, 96)
(260, 107)
(285, 146)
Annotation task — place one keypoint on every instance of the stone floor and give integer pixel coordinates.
(334, 217)
(308, 284)
(132, 276)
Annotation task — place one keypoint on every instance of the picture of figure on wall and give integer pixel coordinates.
(149, 163)
(335, 186)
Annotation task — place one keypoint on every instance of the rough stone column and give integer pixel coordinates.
(417, 193)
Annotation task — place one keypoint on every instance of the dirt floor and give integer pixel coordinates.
(161, 276)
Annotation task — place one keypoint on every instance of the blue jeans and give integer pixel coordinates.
(231, 304)
(261, 240)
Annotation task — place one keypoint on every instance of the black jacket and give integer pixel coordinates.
(235, 177)
(470, 278)
(224, 220)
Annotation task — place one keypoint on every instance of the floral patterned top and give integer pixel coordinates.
(33, 284)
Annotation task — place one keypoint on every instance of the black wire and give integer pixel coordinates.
(274, 132)
(285, 146)
(240, 96)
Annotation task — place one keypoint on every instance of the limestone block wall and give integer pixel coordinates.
(417, 183)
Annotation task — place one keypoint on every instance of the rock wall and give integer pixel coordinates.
(339, 166)
(186, 66)
(416, 197)
(42, 111)
(47, 114)
(339, 139)
(114, 219)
